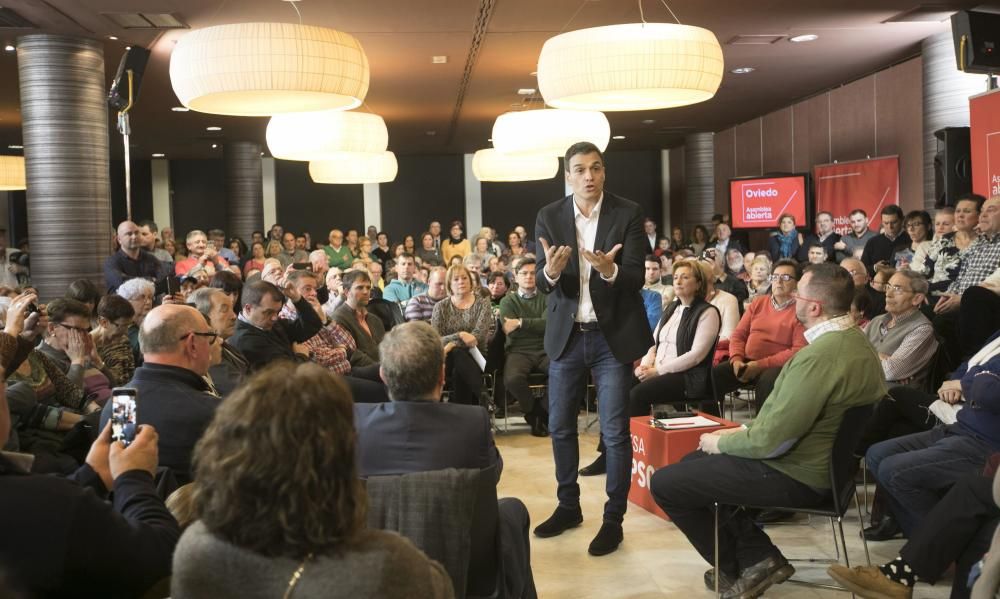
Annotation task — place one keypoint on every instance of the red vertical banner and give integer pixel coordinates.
(984, 137)
(866, 184)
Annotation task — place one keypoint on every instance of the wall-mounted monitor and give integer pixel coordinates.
(758, 202)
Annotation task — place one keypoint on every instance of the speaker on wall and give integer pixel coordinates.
(977, 41)
(952, 165)
(134, 60)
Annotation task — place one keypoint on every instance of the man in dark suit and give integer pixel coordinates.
(592, 271)
(261, 336)
(824, 235)
(416, 432)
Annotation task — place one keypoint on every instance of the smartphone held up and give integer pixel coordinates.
(123, 416)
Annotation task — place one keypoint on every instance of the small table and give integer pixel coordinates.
(653, 448)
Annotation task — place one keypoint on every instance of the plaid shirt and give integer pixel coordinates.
(331, 347)
(981, 258)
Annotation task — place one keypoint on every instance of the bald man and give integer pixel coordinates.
(131, 261)
(859, 273)
(177, 346)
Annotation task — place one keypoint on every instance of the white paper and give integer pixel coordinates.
(945, 412)
(689, 422)
(478, 357)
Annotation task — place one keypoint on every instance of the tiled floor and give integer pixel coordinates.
(655, 559)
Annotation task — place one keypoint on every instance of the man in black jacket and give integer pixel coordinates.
(261, 336)
(881, 249)
(592, 272)
(173, 395)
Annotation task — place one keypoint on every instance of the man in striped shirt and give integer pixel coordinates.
(421, 307)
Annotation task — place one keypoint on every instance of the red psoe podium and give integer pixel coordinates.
(653, 448)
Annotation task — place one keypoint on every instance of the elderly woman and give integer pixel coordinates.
(281, 510)
(760, 278)
(787, 241)
(918, 225)
(69, 326)
(114, 316)
(465, 322)
(139, 293)
(677, 368)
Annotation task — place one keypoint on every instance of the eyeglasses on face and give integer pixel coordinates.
(72, 328)
(807, 299)
(783, 278)
(896, 289)
(210, 336)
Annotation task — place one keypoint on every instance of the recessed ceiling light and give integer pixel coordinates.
(430, 133)
(648, 121)
(525, 91)
(113, 38)
(215, 146)
(128, 47)
(490, 140)
(15, 147)
(158, 155)
(742, 70)
(808, 37)
(213, 128)
(9, 48)
(180, 109)
(439, 60)
(617, 137)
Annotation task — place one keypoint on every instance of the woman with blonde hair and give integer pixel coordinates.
(280, 507)
(465, 322)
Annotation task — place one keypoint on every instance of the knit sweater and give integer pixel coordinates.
(795, 429)
(767, 335)
(530, 336)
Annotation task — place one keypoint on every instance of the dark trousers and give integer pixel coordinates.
(516, 368)
(369, 373)
(366, 391)
(664, 388)
(515, 549)
(465, 377)
(958, 529)
(687, 490)
(726, 382)
(978, 319)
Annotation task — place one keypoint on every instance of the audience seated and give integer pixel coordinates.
(261, 336)
(876, 299)
(723, 281)
(290, 254)
(465, 322)
(522, 314)
(366, 328)
(421, 307)
(416, 432)
(825, 236)
(281, 511)
(114, 317)
(456, 244)
(787, 241)
(726, 303)
(852, 243)
(815, 253)
(903, 337)
(918, 227)
(217, 308)
(654, 280)
(131, 260)
(759, 281)
(784, 453)
(202, 257)
(768, 335)
(881, 249)
(69, 324)
(678, 366)
(939, 261)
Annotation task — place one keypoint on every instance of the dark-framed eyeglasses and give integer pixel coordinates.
(72, 328)
(896, 289)
(783, 278)
(210, 336)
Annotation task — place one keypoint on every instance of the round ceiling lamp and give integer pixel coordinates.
(638, 66)
(549, 131)
(262, 69)
(12, 173)
(322, 135)
(355, 167)
(491, 165)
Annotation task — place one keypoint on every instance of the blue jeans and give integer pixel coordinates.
(917, 470)
(589, 352)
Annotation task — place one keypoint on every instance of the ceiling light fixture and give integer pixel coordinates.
(636, 66)
(808, 37)
(322, 135)
(113, 38)
(355, 167)
(491, 165)
(180, 109)
(12, 173)
(215, 146)
(9, 48)
(742, 70)
(549, 131)
(263, 69)
(648, 121)
(158, 155)
(15, 147)
(618, 137)
(213, 128)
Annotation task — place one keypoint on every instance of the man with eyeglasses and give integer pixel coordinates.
(858, 272)
(261, 336)
(882, 248)
(903, 336)
(768, 336)
(172, 392)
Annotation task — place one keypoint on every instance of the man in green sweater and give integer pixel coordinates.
(522, 315)
(782, 457)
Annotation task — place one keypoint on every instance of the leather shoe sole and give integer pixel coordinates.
(778, 575)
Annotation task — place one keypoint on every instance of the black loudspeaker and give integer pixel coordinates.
(952, 165)
(135, 59)
(977, 41)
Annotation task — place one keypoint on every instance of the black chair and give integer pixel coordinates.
(843, 467)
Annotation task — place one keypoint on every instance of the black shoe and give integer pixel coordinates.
(559, 522)
(773, 516)
(756, 579)
(607, 540)
(538, 428)
(725, 582)
(598, 466)
(883, 531)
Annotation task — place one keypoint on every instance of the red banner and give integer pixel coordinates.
(866, 184)
(984, 132)
(758, 203)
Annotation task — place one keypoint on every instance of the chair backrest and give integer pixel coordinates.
(843, 462)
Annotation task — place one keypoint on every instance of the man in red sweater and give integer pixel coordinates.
(767, 336)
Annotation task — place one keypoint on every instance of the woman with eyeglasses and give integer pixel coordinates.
(114, 316)
(69, 328)
(918, 226)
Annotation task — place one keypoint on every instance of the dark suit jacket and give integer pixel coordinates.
(262, 347)
(399, 437)
(619, 308)
(828, 243)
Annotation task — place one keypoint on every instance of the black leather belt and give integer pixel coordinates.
(587, 326)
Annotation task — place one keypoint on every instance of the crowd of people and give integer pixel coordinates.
(273, 374)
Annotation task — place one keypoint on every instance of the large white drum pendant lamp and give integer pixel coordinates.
(355, 167)
(491, 165)
(549, 131)
(262, 69)
(12, 173)
(638, 66)
(322, 135)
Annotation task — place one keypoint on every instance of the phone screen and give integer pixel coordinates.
(302, 266)
(123, 425)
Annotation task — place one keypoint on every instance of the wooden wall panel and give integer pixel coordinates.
(852, 120)
(898, 115)
(748, 152)
(778, 142)
(725, 169)
(677, 203)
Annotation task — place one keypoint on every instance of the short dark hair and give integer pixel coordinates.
(84, 290)
(228, 281)
(150, 224)
(796, 267)
(651, 258)
(717, 217)
(972, 197)
(834, 285)
(858, 211)
(920, 215)
(581, 147)
(115, 307)
(349, 278)
(60, 309)
(294, 276)
(893, 210)
(216, 233)
(497, 275)
(817, 244)
(254, 292)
